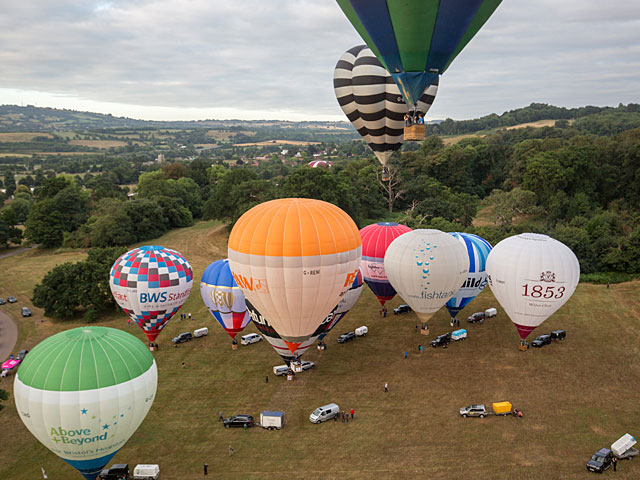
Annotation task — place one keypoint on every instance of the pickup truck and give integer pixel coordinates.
(499, 408)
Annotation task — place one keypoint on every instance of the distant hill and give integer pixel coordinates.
(14, 118)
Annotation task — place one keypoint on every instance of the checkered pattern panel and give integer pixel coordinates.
(153, 321)
(155, 267)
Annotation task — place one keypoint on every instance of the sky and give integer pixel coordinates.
(274, 59)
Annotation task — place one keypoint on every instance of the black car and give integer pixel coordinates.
(2, 302)
(11, 299)
(441, 340)
(600, 461)
(541, 341)
(402, 309)
(238, 421)
(558, 335)
(22, 354)
(345, 337)
(119, 471)
(26, 312)
(183, 337)
(476, 317)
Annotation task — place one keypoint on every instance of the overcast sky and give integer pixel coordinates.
(259, 59)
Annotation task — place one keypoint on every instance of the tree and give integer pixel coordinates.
(45, 224)
(4, 396)
(9, 182)
(506, 205)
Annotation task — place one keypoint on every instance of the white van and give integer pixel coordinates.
(280, 370)
(250, 338)
(322, 414)
(146, 472)
(272, 420)
(490, 312)
(201, 332)
(362, 331)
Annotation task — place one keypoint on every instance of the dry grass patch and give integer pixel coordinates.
(22, 136)
(100, 143)
(275, 142)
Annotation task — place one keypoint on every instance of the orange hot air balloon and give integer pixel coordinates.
(294, 259)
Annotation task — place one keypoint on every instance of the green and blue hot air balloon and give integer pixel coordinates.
(83, 392)
(416, 40)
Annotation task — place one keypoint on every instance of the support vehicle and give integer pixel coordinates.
(361, 331)
(623, 447)
(558, 335)
(441, 340)
(345, 337)
(600, 461)
(118, 471)
(241, 420)
(322, 414)
(250, 338)
(200, 332)
(183, 337)
(404, 308)
(541, 341)
(499, 408)
(460, 334)
(490, 312)
(476, 317)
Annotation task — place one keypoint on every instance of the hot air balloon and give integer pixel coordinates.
(320, 164)
(416, 40)
(532, 276)
(376, 238)
(83, 392)
(223, 298)
(269, 333)
(426, 267)
(294, 259)
(151, 284)
(372, 102)
(477, 249)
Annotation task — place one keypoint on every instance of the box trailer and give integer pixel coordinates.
(621, 446)
(502, 408)
(460, 334)
(272, 420)
(490, 312)
(146, 472)
(361, 331)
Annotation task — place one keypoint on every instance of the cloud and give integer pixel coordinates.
(276, 57)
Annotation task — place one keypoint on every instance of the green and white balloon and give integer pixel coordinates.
(83, 392)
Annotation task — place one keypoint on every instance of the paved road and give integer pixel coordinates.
(8, 336)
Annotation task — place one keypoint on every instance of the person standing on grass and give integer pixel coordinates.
(219, 416)
(206, 469)
(386, 387)
(352, 412)
(614, 460)
(266, 379)
(230, 450)
(189, 315)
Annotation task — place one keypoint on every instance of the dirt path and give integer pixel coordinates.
(20, 250)
(8, 335)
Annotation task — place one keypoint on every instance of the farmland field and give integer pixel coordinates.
(22, 136)
(577, 396)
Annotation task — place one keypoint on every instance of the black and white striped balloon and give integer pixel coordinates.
(372, 102)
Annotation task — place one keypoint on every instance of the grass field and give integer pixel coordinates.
(99, 143)
(22, 136)
(577, 396)
(275, 142)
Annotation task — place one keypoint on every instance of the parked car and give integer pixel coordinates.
(541, 341)
(284, 369)
(238, 421)
(11, 299)
(402, 309)
(600, 461)
(26, 312)
(119, 471)
(322, 414)
(183, 337)
(474, 411)
(250, 338)
(345, 337)
(441, 340)
(22, 354)
(2, 302)
(476, 317)
(146, 472)
(558, 335)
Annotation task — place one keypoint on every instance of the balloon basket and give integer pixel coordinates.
(296, 367)
(321, 347)
(415, 132)
(385, 176)
(424, 331)
(289, 377)
(523, 348)
(234, 346)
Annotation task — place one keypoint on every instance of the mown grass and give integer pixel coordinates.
(577, 396)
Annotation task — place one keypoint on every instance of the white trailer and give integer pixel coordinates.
(272, 420)
(490, 312)
(362, 331)
(146, 472)
(622, 448)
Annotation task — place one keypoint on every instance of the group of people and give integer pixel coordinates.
(414, 117)
(345, 415)
(383, 312)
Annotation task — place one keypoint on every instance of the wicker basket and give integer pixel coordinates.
(415, 132)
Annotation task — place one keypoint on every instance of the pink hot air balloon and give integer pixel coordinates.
(376, 239)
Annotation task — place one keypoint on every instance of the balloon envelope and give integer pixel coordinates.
(223, 298)
(426, 267)
(83, 392)
(532, 276)
(376, 238)
(477, 251)
(269, 333)
(416, 40)
(320, 164)
(294, 259)
(151, 284)
(372, 102)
